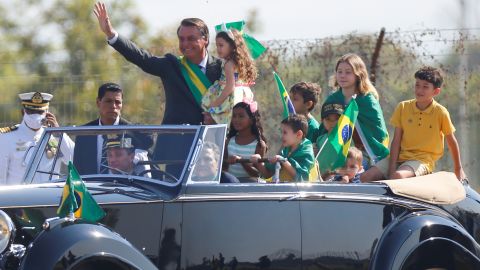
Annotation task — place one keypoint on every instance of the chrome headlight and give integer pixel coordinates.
(7, 231)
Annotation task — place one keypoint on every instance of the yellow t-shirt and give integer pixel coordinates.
(423, 131)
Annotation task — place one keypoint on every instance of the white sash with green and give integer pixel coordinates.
(197, 82)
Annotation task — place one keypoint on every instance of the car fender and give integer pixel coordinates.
(412, 231)
(68, 243)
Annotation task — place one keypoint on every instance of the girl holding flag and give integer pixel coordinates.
(238, 73)
(370, 133)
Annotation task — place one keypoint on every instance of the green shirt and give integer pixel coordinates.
(370, 118)
(301, 159)
(313, 129)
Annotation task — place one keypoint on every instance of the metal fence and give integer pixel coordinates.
(456, 51)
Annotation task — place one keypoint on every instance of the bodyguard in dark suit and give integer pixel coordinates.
(87, 153)
(193, 37)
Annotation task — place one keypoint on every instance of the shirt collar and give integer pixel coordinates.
(203, 63)
(302, 144)
(117, 121)
(429, 109)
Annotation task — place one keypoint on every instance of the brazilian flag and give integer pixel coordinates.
(341, 135)
(68, 203)
(77, 199)
(286, 101)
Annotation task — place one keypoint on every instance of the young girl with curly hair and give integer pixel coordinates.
(238, 73)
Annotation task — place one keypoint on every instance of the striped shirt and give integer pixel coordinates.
(244, 151)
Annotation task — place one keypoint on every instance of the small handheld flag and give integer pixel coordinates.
(326, 156)
(341, 135)
(77, 199)
(287, 103)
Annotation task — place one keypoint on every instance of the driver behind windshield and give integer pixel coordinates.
(207, 166)
(120, 150)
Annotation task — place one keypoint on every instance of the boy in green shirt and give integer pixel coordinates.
(327, 155)
(304, 96)
(298, 151)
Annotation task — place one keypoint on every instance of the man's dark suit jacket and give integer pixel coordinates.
(180, 105)
(85, 153)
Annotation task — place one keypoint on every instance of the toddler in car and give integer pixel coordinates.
(350, 173)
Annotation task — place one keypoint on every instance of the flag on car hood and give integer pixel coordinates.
(68, 203)
(77, 199)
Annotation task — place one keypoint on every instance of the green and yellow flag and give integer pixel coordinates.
(286, 101)
(69, 203)
(341, 135)
(197, 82)
(370, 124)
(77, 199)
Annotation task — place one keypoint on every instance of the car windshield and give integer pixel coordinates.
(207, 161)
(151, 153)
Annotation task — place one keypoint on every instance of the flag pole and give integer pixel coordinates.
(321, 148)
(71, 216)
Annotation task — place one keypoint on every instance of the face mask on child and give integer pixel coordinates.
(34, 120)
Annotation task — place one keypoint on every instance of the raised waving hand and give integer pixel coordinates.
(101, 13)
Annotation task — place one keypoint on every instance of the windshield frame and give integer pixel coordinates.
(200, 148)
(33, 164)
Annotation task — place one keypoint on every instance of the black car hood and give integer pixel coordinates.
(49, 194)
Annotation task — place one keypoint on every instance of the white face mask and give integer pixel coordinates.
(33, 121)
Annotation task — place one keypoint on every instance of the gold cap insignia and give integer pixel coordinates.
(126, 143)
(112, 136)
(37, 98)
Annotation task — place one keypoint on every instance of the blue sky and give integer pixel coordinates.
(314, 18)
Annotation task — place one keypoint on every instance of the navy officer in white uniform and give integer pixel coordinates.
(16, 142)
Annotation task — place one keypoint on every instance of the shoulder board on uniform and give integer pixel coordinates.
(8, 129)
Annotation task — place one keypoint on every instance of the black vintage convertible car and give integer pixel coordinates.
(169, 210)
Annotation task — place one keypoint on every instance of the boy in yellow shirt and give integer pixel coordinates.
(420, 127)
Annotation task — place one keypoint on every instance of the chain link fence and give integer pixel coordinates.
(456, 51)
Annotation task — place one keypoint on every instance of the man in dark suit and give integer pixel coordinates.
(181, 106)
(88, 149)
(193, 38)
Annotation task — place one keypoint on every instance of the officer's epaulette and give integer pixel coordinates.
(8, 129)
